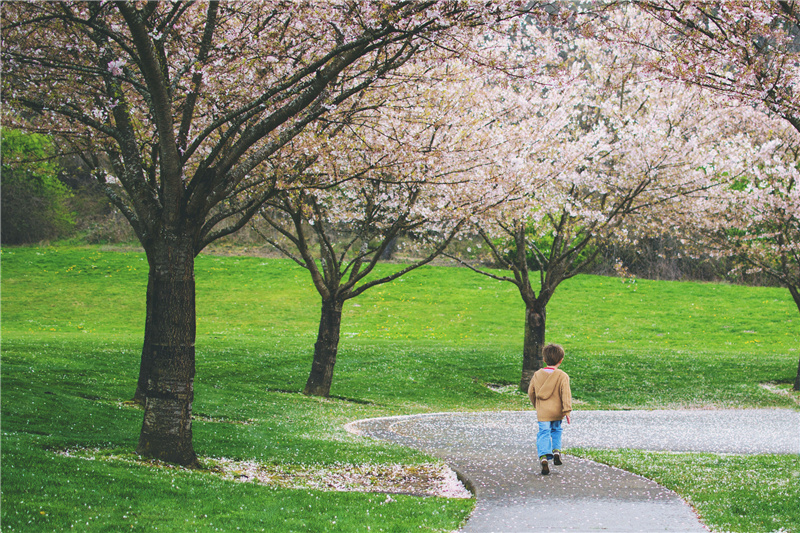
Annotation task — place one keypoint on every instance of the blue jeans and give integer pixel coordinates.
(549, 438)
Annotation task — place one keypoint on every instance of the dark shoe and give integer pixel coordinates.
(545, 468)
(557, 459)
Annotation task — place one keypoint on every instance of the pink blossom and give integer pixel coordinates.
(115, 67)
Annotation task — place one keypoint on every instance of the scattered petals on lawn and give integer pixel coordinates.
(784, 390)
(428, 479)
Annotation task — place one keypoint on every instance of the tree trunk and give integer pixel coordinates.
(321, 377)
(146, 364)
(168, 355)
(391, 248)
(796, 296)
(797, 379)
(535, 317)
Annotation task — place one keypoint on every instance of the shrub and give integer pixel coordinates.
(34, 201)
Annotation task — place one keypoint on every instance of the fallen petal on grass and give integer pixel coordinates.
(428, 479)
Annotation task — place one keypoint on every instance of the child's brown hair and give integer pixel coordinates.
(553, 354)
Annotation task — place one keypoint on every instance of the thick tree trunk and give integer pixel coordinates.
(168, 356)
(535, 317)
(321, 377)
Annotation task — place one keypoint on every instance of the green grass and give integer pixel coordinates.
(47, 492)
(729, 492)
(72, 320)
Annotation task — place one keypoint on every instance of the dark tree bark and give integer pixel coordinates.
(535, 318)
(391, 248)
(552, 272)
(797, 379)
(168, 355)
(146, 364)
(796, 296)
(327, 345)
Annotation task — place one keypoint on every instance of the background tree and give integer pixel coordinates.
(349, 244)
(754, 218)
(34, 201)
(749, 53)
(763, 220)
(189, 102)
(415, 166)
(746, 51)
(627, 150)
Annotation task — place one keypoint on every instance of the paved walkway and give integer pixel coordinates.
(496, 453)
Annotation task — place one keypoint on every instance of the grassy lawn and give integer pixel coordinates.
(72, 321)
(729, 492)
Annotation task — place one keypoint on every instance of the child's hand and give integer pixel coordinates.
(568, 420)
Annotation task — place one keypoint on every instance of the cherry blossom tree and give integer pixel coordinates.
(627, 150)
(416, 166)
(754, 218)
(349, 245)
(180, 107)
(748, 52)
(763, 219)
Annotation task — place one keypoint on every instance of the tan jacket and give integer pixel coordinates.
(550, 395)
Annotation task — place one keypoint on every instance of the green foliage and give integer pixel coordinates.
(544, 243)
(34, 201)
(72, 327)
(740, 184)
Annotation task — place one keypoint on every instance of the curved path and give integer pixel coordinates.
(496, 453)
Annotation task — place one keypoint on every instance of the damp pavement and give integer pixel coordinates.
(496, 454)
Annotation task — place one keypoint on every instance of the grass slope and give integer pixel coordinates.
(72, 321)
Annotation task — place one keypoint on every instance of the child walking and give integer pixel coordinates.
(551, 396)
